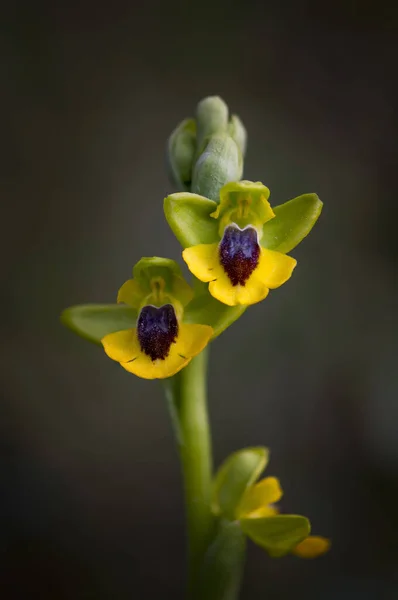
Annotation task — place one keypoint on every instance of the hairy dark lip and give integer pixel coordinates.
(239, 253)
(157, 330)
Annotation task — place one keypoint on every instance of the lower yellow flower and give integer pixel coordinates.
(238, 269)
(161, 344)
(258, 504)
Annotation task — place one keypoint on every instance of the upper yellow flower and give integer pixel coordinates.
(238, 269)
(161, 344)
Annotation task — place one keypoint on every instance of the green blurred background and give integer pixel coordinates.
(91, 504)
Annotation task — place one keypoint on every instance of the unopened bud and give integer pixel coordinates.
(220, 163)
(181, 149)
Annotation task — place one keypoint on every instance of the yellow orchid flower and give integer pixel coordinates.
(161, 344)
(258, 502)
(238, 268)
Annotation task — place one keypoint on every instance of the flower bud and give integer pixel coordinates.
(238, 133)
(220, 163)
(181, 149)
(211, 119)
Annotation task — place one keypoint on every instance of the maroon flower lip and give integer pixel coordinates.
(157, 329)
(239, 252)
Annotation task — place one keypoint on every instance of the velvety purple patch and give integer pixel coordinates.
(239, 253)
(157, 329)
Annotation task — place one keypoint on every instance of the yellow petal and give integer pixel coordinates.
(192, 338)
(143, 366)
(222, 289)
(258, 497)
(131, 293)
(190, 341)
(265, 511)
(274, 268)
(122, 345)
(202, 260)
(253, 291)
(312, 547)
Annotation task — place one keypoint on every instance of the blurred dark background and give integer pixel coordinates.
(90, 500)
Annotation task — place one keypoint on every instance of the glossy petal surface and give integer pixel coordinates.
(122, 345)
(203, 261)
(274, 268)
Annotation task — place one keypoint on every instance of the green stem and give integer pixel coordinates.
(215, 557)
(186, 394)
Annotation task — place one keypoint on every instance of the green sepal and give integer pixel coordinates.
(219, 163)
(155, 266)
(189, 218)
(207, 310)
(253, 194)
(181, 149)
(94, 321)
(149, 268)
(239, 471)
(277, 535)
(221, 572)
(292, 223)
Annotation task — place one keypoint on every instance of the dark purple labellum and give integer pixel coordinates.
(157, 329)
(239, 253)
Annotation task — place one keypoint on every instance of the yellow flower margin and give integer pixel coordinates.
(124, 346)
(258, 502)
(272, 271)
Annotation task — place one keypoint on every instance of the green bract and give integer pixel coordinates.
(221, 572)
(211, 312)
(234, 476)
(278, 535)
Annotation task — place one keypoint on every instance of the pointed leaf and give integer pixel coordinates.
(278, 535)
(293, 221)
(94, 321)
(221, 573)
(240, 470)
(189, 218)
